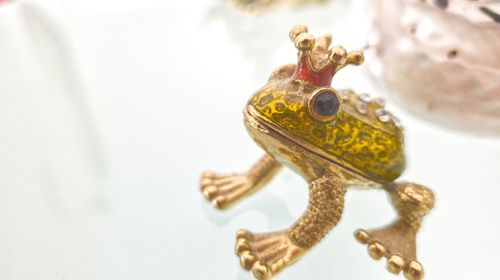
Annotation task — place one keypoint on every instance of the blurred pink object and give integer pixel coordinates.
(441, 60)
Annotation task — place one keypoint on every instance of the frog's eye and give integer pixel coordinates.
(324, 104)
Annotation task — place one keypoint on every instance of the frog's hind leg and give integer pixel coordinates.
(226, 190)
(396, 241)
(266, 254)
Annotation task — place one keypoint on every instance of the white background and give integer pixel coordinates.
(110, 110)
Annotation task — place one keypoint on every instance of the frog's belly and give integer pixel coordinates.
(296, 155)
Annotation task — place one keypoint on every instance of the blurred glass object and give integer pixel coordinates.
(263, 5)
(441, 60)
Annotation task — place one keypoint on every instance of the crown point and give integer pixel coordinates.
(296, 31)
(304, 41)
(355, 57)
(338, 55)
(317, 62)
(323, 43)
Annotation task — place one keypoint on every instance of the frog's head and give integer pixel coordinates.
(299, 103)
(303, 90)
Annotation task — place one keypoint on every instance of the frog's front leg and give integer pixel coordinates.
(396, 241)
(226, 190)
(266, 254)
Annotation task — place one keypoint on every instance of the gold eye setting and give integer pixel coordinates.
(324, 104)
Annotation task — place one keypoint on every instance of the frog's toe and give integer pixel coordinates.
(223, 190)
(265, 254)
(395, 264)
(414, 271)
(376, 250)
(261, 271)
(397, 245)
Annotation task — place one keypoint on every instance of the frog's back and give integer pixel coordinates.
(363, 138)
(368, 138)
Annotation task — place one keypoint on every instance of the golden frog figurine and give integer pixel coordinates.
(335, 140)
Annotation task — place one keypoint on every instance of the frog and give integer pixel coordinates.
(336, 140)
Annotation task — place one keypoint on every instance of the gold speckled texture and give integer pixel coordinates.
(358, 142)
(326, 204)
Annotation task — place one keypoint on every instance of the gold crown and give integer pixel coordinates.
(318, 63)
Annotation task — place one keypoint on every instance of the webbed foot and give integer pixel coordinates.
(397, 244)
(266, 254)
(224, 190)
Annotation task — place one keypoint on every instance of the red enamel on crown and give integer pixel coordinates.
(318, 63)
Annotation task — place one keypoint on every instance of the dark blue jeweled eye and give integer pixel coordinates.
(324, 104)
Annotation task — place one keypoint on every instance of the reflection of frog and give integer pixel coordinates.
(335, 140)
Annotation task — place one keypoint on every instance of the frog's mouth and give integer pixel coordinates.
(259, 123)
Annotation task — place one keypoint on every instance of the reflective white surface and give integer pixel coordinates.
(110, 110)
